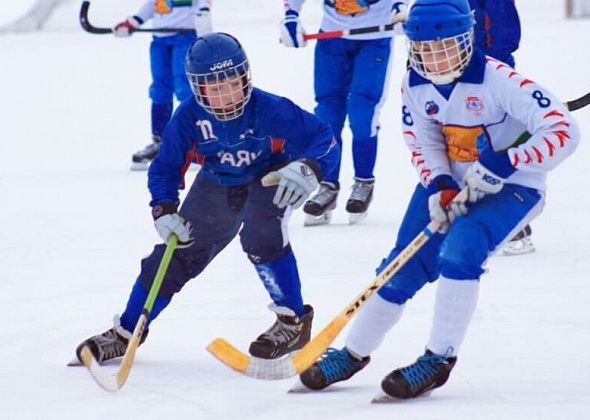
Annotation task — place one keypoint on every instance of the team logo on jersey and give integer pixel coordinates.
(238, 158)
(474, 105)
(431, 108)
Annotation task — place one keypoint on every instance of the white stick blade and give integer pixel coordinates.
(270, 369)
(101, 376)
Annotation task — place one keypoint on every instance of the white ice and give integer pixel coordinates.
(75, 224)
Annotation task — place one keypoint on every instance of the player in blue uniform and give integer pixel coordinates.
(239, 134)
(350, 81)
(463, 118)
(497, 28)
(167, 52)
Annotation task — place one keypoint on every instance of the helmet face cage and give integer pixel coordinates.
(441, 61)
(219, 94)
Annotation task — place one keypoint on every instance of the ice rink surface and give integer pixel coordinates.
(75, 224)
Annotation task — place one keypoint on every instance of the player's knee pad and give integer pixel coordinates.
(263, 253)
(263, 243)
(464, 250)
(183, 267)
(410, 278)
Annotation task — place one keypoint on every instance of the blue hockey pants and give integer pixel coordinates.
(217, 213)
(350, 78)
(460, 253)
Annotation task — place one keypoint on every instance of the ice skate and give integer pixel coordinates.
(141, 159)
(287, 334)
(318, 209)
(360, 199)
(430, 371)
(521, 243)
(109, 345)
(334, 366)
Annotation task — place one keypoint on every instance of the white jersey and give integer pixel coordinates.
(172, 13)
(493, 98)
(347, 14)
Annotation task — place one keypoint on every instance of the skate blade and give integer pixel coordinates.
(383, 398)
(323, 219)
(139, 166)
(518, 248)
(354, 218)
(299, 388)
(74, 362)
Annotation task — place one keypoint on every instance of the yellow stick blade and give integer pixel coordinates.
(229, 355)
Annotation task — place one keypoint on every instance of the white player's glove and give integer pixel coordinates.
(125, 28)
(292, 31)
(488, 174)
(203, 25)
(167, 221)
(398, 15)
(481, 181)
(296, 182)
(440, 204)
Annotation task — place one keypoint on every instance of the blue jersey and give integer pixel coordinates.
(272, 130)
(497, 28)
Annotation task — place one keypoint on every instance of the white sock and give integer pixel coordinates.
(453, 310)
(371, 324)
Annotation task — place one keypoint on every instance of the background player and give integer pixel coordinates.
(167, 53)
(350, 79)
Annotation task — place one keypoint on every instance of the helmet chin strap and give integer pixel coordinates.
(444, 79)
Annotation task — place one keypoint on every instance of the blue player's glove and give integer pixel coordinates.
(296, 182)
(167, 221)
(488, 174)
(292, 31)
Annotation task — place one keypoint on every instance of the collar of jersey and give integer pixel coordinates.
(473, 73)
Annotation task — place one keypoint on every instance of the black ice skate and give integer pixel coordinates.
(141, 159)
(319, 208)
(109, 345)
(287, 334)
(334, 366)
(360, 198)
(521, 243)
(430, 371)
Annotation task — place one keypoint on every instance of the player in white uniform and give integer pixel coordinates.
(464, 118)
(167, 53)
(350, 80)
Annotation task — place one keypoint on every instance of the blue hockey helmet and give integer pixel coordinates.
(219, 74)
(440, 38)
